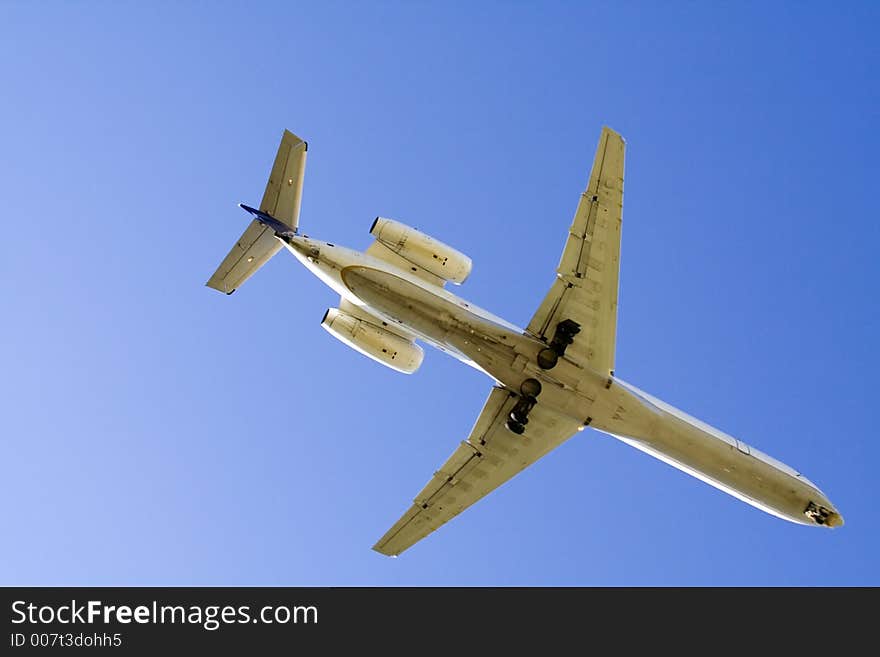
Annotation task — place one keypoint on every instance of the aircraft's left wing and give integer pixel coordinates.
(490, 456)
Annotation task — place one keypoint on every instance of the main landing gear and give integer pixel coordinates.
(547, 359)
(519, 416)
(564, 336)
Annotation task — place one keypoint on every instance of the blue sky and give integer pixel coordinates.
(156, 432)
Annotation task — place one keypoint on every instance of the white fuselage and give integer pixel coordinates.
(508, 355)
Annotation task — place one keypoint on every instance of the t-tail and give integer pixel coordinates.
(281, 229)
(278, 215)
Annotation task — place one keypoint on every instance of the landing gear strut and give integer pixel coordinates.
(519, 416)
(564, 336)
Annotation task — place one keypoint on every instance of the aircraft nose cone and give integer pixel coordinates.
(834, 520)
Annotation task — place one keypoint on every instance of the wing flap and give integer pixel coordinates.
(454, 471)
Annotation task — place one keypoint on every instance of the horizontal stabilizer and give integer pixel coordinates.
(280, 204)
(268, 220)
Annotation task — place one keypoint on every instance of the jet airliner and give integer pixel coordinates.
(551, 380)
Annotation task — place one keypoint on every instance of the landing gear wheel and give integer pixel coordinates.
(519, 414)
(530, 388)
(516, 427)
(547, 358)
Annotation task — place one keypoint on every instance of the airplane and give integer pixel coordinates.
(551, 380)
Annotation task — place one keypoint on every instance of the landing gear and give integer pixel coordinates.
(564, 336)
(519, 416)
(547, 359)
(530, 388)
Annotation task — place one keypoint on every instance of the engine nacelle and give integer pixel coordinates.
(422, 250)
(374, 341)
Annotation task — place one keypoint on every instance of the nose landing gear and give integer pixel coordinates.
(519, 416)
(822, 516)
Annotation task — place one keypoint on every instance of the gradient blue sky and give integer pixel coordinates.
(156, 432)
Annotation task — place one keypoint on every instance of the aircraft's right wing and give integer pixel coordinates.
(281, 200)
(585, 289)
(489, 457)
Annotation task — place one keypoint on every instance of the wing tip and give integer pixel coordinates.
(381, 549)
(214, 285)
(608, 130)
(287, 135)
